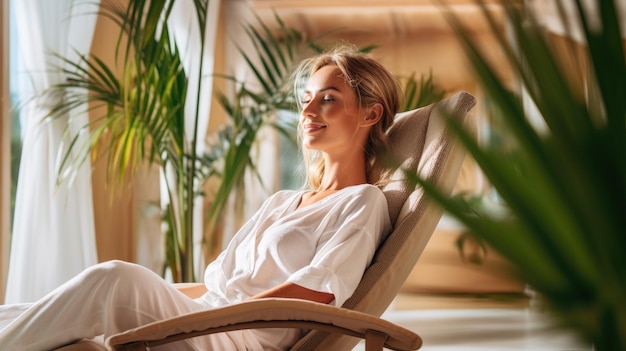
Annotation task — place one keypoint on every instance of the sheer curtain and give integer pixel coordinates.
(53, 233)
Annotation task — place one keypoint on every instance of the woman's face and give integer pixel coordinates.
(330, 113)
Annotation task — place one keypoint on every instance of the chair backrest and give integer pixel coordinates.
(422, 142)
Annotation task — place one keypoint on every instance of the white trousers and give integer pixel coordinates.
(103, 300)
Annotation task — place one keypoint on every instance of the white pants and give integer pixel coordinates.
(106, 299)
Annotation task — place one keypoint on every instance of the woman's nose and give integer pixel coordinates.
(308, 110)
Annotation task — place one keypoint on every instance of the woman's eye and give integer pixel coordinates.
(324, 99)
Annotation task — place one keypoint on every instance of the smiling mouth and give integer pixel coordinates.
(311, 128)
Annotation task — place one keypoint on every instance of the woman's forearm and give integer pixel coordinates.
(290, 290)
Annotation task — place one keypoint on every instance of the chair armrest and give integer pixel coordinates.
(269, 313)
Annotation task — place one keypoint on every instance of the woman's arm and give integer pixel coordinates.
(286, 290)
(291, 290)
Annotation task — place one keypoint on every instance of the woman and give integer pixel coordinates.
(311, 244)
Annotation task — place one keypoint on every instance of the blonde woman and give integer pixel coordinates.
(309, 244)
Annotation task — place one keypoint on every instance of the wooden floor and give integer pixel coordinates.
(475, 322)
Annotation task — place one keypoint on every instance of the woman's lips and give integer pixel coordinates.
(312, 128)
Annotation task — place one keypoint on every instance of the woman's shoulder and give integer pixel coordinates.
(365, 203)
(362, 195)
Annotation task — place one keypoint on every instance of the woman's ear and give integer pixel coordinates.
(373, 115)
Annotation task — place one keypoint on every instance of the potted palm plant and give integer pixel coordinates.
(563, 185)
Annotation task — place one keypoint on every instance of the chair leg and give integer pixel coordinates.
(374, 341)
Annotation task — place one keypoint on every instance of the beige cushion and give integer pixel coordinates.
(420, 139)
(408, 136)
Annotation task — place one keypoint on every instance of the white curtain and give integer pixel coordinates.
(53, 233)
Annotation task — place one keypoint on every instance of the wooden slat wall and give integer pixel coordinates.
(114, 212)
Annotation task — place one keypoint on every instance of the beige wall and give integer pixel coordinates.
(5, 140)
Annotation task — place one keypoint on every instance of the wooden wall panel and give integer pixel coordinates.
(5, 148)
(114, 210)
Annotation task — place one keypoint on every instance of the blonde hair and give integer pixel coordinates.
(372, 83)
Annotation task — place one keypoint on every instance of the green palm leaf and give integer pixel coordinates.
(564, 186)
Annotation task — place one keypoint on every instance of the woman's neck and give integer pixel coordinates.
(338, 175)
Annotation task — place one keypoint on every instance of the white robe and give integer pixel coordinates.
(324, 246)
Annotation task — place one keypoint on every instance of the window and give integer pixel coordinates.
(291, 170)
